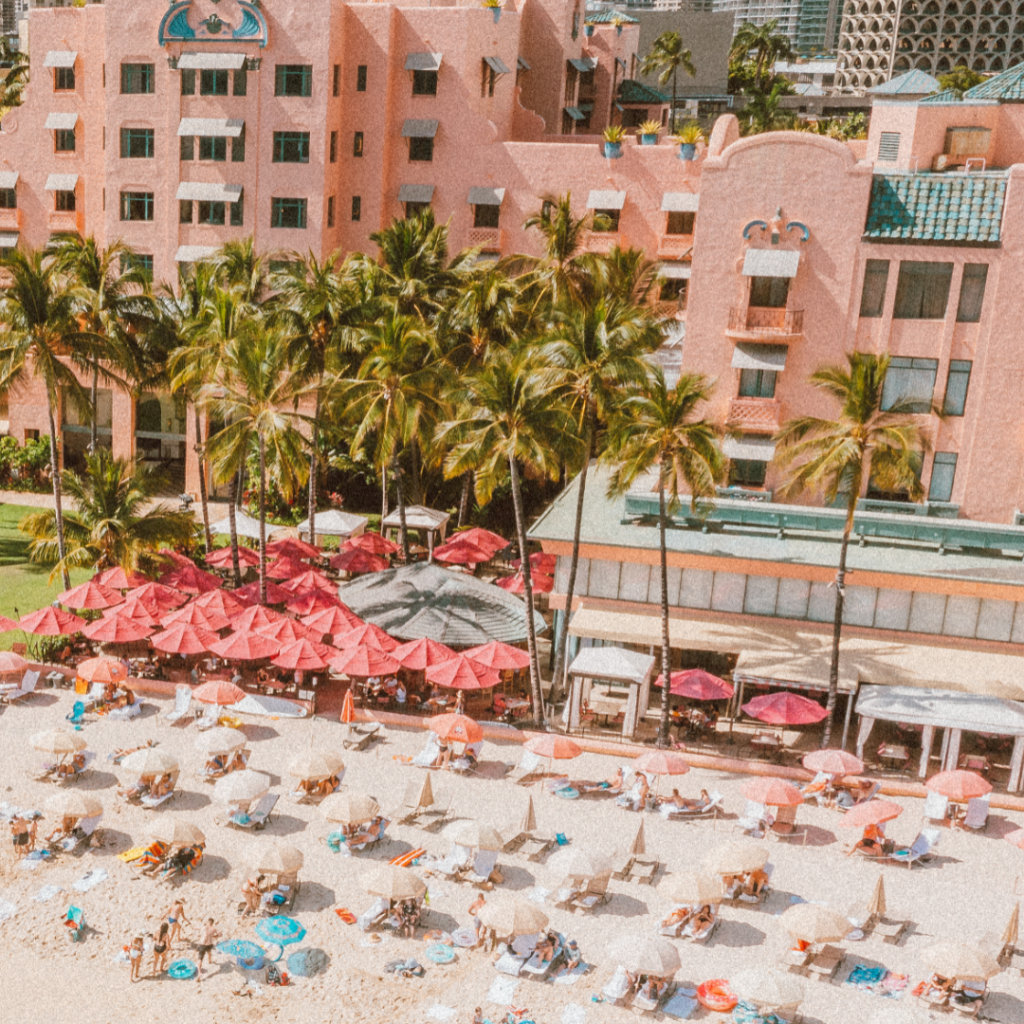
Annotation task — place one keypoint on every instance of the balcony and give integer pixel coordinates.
(487, 239)
(753, 322)
(674, 246)
(64, 220)
(601, 242)
(755, 415)
(10, 220)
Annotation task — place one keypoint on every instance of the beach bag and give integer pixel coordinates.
(560, 839)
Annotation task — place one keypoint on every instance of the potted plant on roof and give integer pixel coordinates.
(613, 136)
(495, 6)
(688, 138)
(648, 132)
(617, 22)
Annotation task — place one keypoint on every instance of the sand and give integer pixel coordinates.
(966, 892)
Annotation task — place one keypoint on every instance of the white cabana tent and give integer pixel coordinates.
(952, 711)
(614, 665)
(333, 523)
(245, 526)
(428, 521)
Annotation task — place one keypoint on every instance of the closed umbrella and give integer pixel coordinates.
(421, 654)
(372, 543)
(241, 787)
(220, 740)
(695, 890)
(331, 620)
(499, 656)
(250, 593)
(393, 882)
(350, 808)
(872, 812)
(355, 560)
(315, 765)
(736, 859)
(773, 792)
(363, 662)
(277, 858)
(476, 834)
(50, 621)
(462, 673)
(696, 684)
(366, 635)
(811, 923)
(119, 627)
(73, 803)
(220, 601)
(193, 615)
(1012, 931)
(513, 917)
(218, 691)
(768, 988)
(91, 595)
(150, 761)
(222, 558)
(58, 741)
(646, 954)
(102, 670)
(176, 832)
(181, 638)
(835, 762)
(552, 745)
(785, 709)
(457, 728)
(246, 647)
(287, 631)
(959, 786)
(952, 959)
(877, 904)
(314, 601)
(305, 655)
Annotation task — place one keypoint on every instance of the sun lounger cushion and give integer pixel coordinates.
(510, 963)
(935, 806)
(428, 755)
(977, 812)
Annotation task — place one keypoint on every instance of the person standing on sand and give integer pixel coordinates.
(206, 944)
(474, 912)
(175, 915)
(135, 957)
(20, 832)
(160, 949)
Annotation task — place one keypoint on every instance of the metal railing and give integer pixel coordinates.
(766, 321)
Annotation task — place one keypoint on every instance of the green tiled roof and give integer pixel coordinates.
(946, 96)
(1007, 87)
(632, 91)
(914, 82)
(610, 17)
(930, 208)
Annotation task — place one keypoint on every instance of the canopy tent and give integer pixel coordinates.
(616, 665)
(424, 520)
(333, 523)
(245, 526)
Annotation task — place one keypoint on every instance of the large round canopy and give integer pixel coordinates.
(959, 786)
(773, 792)
(552, 745)
(218, 691)
(477, 834)
(102, 670)
(176, 831)
(813, 923)
(765, 987)
(785, 709)
(835, 762)
(151, 761)
(73, 803)
(315, 765)
(736, 859)
(871, 812)
(660, 762)
(695, 890)
(58, 741)
(220, 740)
(241, 787)
(457, 728)
(646, 954)
(393, 883)
(277, 858)
(513, 917)
(959, 960)
(580, 863)
(350, 808)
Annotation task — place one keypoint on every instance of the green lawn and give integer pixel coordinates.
(24, 587)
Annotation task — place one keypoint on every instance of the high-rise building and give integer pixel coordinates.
(818, 25)
(785, 12)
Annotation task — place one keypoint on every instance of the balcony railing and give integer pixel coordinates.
(674, 245)
(763, 321)
(10, 220)
(601, 241)
(755, 415)
(64, 220)
(488, 239)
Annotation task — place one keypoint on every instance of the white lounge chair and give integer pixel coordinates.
(976, 817)
(182, 704)
(921, 848)
(754, 818)
(209, 718)
(483, 864)
(936, 807)
(528, 764)
(94, 696)
(260, 814)
(127, 712)
(26, 688)
(697, 813)
(87, 759)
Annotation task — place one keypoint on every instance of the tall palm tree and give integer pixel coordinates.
(244, 270)
(623, 274)
(762, 111)
(766, 43)
(110, 524)
(870, 438)
(255, 396)
(659, 430)
(37, 316)
(561, 271)
(509, 415)
(667, 56)
(12, 87)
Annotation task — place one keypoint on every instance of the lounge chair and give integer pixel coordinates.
(596, 892)
(375, 914)
(359, 737)
(826, 963)
(538, 968)
(373, 835)
(976, 818)
(182, 705)
(74, 921)
(483, 865)
(127, 712)
(754, 819)
(209, 718)
(920, 850)
(704, 933)
(77, 715)
(890, 931)
(617, 987)
(528, 765)
(152, 802)
(696, 813)
(845, 799)
(510, 963)
(87, 759)
(94, 698)
(644, 868)
(26, 688)
(536, 844)
(258, 817)
(936, 807)
(622, 864)
(817, 788)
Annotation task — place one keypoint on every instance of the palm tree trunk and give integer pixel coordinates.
(672, 115)
(94, 428)
(402, 530)
(233, 530)
(531, 632)
(57, 507)
(263, 520)
(837, 621)
(204, 498)
(666, 653)
(467, 483)
(416, 491)
(312, 470)
(383, 497)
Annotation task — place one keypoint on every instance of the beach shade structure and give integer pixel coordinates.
(73, 803)
(176, 557)
(348, 708)
(135, 610)
(418, 655)
(304, 654)
(250, 593)
(640, 953)
(315, 765)
(255, 617)
(245, 526)
(51, 621)
(372, 544)
(366, 635)
(223, 558)
(660, 762)
(118, 628)
(91, 595)
(313, 602)
(11, 662)
(157, 598)
(462, 673)
(487, 541)
(176, 832)
(331, 620)
(287, 631)
(835, 762)
(457, 728)
(553, 746)
(356, 560)
(102, 670)
(785, 708)
(461, 553)
(513, 917)
(540, 582)
(476, 834)
(276, 858)
(696, 684)
(280, 930)
(57, 741)
(1012, 931)
(735, 859)
(223, 602)
(1016, 837)
(393, 882)
(871, 812)
(638, 847)
(540, 561)
(292, 547)
(6, 624)
(243, 949)
(192, 615)
(286, 568)
(364, 662)
(241, 787)
(309, 581)
(350, 808)
(812, 923)
(694, 889)
(959, 786)
(965, 962)
(181, 638)
(218, 691)
(773, 792)
(190, 579)
(767, 988)
(220, 740)
(877, 905)
(246, 647)
(150, 761)
(498, 656)
(117, 578)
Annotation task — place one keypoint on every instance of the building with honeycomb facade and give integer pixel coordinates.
(882, 38)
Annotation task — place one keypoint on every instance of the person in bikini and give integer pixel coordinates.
(161, 945)
(175, 919)
(135, 952)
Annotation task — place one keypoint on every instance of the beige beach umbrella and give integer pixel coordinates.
(811, 923)
(393, 882)
(646, 954)
(277, 858)
(476, 834)
(315, 765)
(220, 740)
(953, 959)
(695, 890)
(73, 803)
(241, 787)
(513, 917)
(350, 808)
(529, 823)
(58, 741)
(736, 859)
(1012, 932)
(419, 794)
(176, 832)
(151, 761)
(765, 987)
(639, 846)
(876, 905)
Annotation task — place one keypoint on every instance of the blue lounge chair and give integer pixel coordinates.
(77, 713)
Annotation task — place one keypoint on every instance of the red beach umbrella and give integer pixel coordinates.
(292, 547)
(310, 580)
(551, 745)
(372, 544)
(418, 655)
(157, 598)
(304, 654)
(255, 618)
(462, 673)
(250, 593)
(785, 709)
(222, 559)
(102, 670)
(697, 684)
(871, 812)
(334, 618)
(286, 568)
(481, 538)
(191, 580)
(118, 628)
(50, 621)
(182, 638)
(136, 610)
(463, 553)
(118, 579)
(498, 656)
(539, 560)
(773, 792)
(223, 602)
(91, 595)
(218, 691)
(835, 762)
(658, 762)
(542, 584)
(313, 601)
(457, 728)
(246, 646)
(959, 786)
(366, 635)
(287, 631)
(357, 560)
(192, 615)
(364, 661)
(176, 557)
(348, 708)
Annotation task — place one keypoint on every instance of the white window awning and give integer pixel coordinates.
(423, 62)
(497, 65)
(483, 196)
(58, 121)
(771, 263)
(750, 356)
(616, 664)
(8, 179)
(749, 447)
(679, 202)
(61, 182)
(522, 64)
(210, 61)
(209, 191)
(675, 271)
(60, 59)
(583, 64)
(413, 129)
(211, 126)
(605, 200)
(8, 239)
(194, 253)
(416, 193)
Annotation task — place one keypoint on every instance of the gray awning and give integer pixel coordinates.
(605, 200)
(575, 113)
(8, 179)
(497, 65)
(943, 708)
(60, 59)
(522, 64)
(750, 447)
(750, 356)
(675, 271)
(209, 191)
(423, 62)
(194, 253)
(65, 121)
(61, 182)
(583, 64)
(412, 129)
(8, 239)
(211, 127)
(622, 64)
(680, 202)
(210, 61)
(483, 196)
(771, 262)
(416, 193)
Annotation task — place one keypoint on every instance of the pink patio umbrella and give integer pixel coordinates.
(457, 728)
(191, 580)
(332, 620)
(305, 655)
(372, 544)
(357, 560)
(660, 762)
(208, 618)
(119, 579)
(461, 553)
(90, 595)
(286, 568)
(834, 762)
(313, 601)
(157, 598)
(136, 610)
(250, 593)
(553, 747)
(785, 708)
(218, 691)
(6, 624)
(418, 655)
(221, 558)
(11, 662)
(542, 584)
(117, 628)
(773, 792)
(287, 631)
(50, 621)
(481, 538)
(102, 670)
(310, 580)
(462, 673)
(871, 812)
(367, 634)
(497, 655)
(255, 618)
(246, 646)
(959, 786)
(223, 602)
(364, 661)
(292, 547)
(183, 638)
(176, 557)
(696, 684)
(541, 561)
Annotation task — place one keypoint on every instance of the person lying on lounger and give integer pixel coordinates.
(216, 765)
(677, 917)
(161, 786)
(873, 843)
(753, 885)
(653, 988)
(137, 789)
(72, 767)
(153, 857)
(237, 762)
(939, 988)
(63, 830)
(701, 922)
(327, 786)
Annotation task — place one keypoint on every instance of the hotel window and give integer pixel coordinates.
(424, 83)
(287, 213)
(237, 213)
(293, 80)
(769, 292)
(415, 209)
(757, 383)
(213, 147)
(141, 263)
(137, 79)
(330, 211)
(187, 147)
(959, 378)
(680, 222)
(184, 211)
(972, 293)
(943, 472)
(188, 82)
(909, 382)
(238, 148)
(486, 215)
(239, 82)
(137, 143)
(488, 80)
(136, 206)
(211, 212)
(675, 289)
(291, 147)
(922, 290)
(421, 149)
(336, 80)
(872, 295)
(606, 220)
(213, 82)
(64, 140)
(8, 199)
(357, 207)
(63, 79)
(357, 144)
(333, 148)
(747, 472)
(361, 78)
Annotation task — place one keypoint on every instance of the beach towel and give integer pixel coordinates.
(680, 1006)
(32, 860)
(878, 981)
(133, 854)
(90, 880)
(407, 859)
(345, 914)
(571, 976)
(46, 893)
(440, 1012)
(7, 910)
(502, 990)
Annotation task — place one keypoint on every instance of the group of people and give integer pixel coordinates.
(221, 764)
(318, 787)
(155, 786)
(747, 886)
(686, 921)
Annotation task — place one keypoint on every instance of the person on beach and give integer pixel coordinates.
(252, 893)
(175, 919)
(205, 947)
(135, 957)
(160, 949)
(474, 912)
(20, 835)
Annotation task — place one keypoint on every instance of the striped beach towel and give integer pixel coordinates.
(403, 860)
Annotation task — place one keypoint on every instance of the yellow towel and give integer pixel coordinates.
(230, 723)
(133, 854)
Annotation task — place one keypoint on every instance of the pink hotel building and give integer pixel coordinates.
(311, 125)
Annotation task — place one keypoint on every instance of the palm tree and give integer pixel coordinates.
(109, 526)
(510, 415)
(766, 43)
(762, 111)
(12, 87)
(658, 430)
(241, 268)
(37, 314)
(667, 56)
(596, 352)
(561, 271)
(870, 438)
(625, 275)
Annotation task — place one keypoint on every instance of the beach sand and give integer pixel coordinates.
(966, 892)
